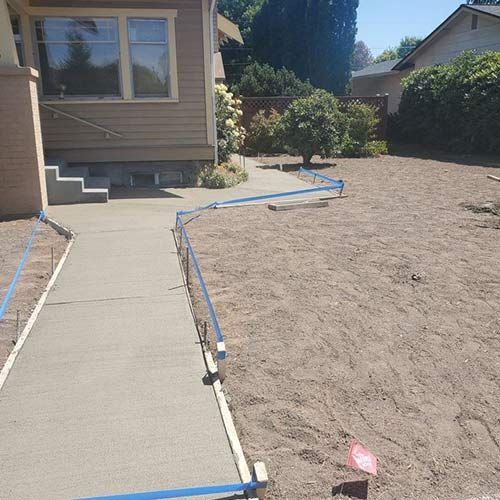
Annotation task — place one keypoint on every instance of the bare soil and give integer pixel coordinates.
(376, 318)
(14, 236)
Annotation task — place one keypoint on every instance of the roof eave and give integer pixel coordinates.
(375, 75)
(403, 64)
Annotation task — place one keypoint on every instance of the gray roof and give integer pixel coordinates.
(494, 10)
(375, 69)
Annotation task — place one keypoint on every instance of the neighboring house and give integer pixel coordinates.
(470, 27)
(125, 88)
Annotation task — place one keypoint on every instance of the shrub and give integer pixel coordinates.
(376, 148)
(230, 135)
(263, 134)
(313, 125)
(224, 175)
(454, 106)
(362, 124)
(262, 80)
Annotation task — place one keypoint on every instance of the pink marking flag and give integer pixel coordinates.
(360, 458)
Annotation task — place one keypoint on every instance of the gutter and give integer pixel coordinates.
(376, 75)
(213, 6)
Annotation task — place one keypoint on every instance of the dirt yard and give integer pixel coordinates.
(14, 236)
(376, 318)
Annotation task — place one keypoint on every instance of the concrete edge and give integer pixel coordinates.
(7, 367)
(64, 231)
(227, 419)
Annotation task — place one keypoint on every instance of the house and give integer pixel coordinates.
(470, 27)
(116, 92)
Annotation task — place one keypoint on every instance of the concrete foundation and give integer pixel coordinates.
(141, 174)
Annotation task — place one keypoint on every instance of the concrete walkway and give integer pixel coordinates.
(107, 395)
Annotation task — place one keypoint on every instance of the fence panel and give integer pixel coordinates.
(252, 105)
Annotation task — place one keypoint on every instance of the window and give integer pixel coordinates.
(16, 30)
(474, 22)
(149, 57)
(78, 56)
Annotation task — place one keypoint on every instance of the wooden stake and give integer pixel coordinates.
(493, 178)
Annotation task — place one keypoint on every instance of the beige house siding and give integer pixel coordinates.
(459, 37)
(442, 48)
(389, 84)
(151, 130)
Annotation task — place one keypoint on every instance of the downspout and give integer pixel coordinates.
(213, 6)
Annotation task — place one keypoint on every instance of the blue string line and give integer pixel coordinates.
(182, 492)
(333, 184)
(211, 310)
(13, 283)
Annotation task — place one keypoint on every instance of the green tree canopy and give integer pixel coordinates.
(406, 45)
(261, 80)
(241, 12)
(361, 57)
(314, 38)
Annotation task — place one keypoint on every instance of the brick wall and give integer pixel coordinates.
(22, 176)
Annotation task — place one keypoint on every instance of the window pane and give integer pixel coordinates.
(80, 69)
(150, 70)
(147, 30)
(61, 29)
(79, 57)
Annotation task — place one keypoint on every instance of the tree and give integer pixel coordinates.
(241, 12)
(406, 45)
(235, 56)
(262, 80)
(313, 125)
(361, 57)
(313, 38)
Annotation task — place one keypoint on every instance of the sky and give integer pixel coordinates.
(382, 23)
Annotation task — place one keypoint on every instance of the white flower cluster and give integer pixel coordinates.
(230, 134)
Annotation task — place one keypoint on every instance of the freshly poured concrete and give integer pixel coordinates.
(108, 395)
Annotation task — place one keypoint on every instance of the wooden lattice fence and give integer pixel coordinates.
(252, 105)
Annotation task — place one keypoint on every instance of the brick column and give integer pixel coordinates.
(22, 175)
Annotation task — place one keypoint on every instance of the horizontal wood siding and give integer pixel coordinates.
(460, 37)
(159, 131)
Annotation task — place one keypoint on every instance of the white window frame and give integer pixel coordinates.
(89, 97)
(130, 43)
(125, 61)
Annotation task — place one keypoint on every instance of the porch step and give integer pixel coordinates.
(63, 190)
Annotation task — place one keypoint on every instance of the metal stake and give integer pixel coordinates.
(205, 335)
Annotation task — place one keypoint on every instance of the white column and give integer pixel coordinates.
(8, 53)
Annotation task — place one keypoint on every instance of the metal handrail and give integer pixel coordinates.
(81, 120)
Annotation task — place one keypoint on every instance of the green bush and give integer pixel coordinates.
(362, 124)
(263, 136)
(222, 176)
(454, 106)
(313, 126)
(262, 80)
(376, 148)
(230, 135)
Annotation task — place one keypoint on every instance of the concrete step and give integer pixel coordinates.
(97, 182)
(63, 190)
(74, 171)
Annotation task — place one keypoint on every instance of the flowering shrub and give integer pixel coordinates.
(230, 135)
(224, 175)
(263, 134)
